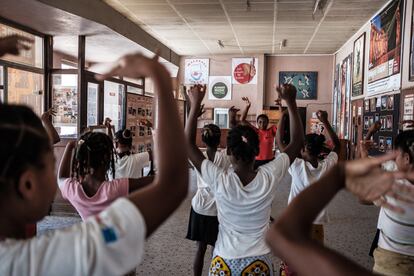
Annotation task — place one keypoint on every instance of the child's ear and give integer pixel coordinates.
(27, 185)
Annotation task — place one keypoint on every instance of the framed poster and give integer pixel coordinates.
(411, 76)
(196, 71)
(306, 83)
(244, 70)
(335, 98)
(221, 117)
(219, 88)
(384, 68)
(358, 66)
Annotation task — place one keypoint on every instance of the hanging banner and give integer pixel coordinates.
(244, 70)
(196, 71)
(219, 88)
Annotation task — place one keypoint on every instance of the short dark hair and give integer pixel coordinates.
(314, 143)
(23, 143)
(124, 137)
(264, 116)
(211, 135)
(405, 142)
(243, 143)
(94, 150)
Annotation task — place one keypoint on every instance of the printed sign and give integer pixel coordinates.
(245, 70)
(196, 71)
(219, 88)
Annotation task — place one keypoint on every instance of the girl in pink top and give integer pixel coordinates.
(87, 187)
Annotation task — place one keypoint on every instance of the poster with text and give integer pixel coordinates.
(219, 88)
(385, 49)
(358, 66)
(306, 83)
(244, 70)
(196, 71)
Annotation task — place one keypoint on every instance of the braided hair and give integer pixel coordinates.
(23, 144)
(94, 150)
(405, 142)
(211, 135)
(124, 137)
(314, 143)
(243, 143)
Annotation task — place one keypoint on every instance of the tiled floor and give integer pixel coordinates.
(350, 231)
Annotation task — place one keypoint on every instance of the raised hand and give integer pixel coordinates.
(246, 101)
(287, 92)
(202, 111)
(13, 44)
(233, 111)
(322, 116)
(46, 115)
(196, 94)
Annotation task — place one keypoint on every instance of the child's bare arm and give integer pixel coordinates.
(158, 200)
(246, 109)
(280, 133)
(64, 166)
(139, 183)
(323, 117)
(50, 129)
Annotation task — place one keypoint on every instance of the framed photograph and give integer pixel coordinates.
(366, 105)
(373, 104)
(381, 144)
(370, 121)
(411, 62)
(390, 102)
(221, 117)
(388, 144)
(384, 102)
(306, 83)
(389, 122)
(376, 117)
(366, 122)
(383, 121)
(358, 66)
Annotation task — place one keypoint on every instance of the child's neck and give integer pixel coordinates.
(211, 153)
(245, 172)
(10, 229)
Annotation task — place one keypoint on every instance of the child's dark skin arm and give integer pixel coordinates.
(280, 133)
(158, 200)
(246, 109)
(195, 96)
(233, 116)
(50, 129)
(288, 93)
(64, 166)
(139, 183)
(323, 117)
(14, 44)
(108, 125)
(289, 237)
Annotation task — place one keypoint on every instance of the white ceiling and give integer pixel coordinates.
(194, 27)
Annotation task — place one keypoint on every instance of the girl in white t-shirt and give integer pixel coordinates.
(110, 243)
(203, 223)
(243, 195)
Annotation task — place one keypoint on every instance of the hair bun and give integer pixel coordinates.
(126, 134)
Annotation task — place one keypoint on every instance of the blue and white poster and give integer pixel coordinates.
(306, 83)
(196, 71)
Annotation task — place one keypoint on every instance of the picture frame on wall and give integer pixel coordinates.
(366, 122)
(389, 122)
(306, 83)
(381, 144)
(373, 104)
(384, 103)
(411, 62)
(390, 102)
(388, 144)
(358, 66)
(383, 122)
(366, 105)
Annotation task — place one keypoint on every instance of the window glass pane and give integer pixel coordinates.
(113, 103)
(92, 108)
(65, 102)
(136, 81)
(135, 90)
(25, 88)
(33, 56)
(65, 52)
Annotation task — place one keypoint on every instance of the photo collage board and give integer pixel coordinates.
(386, 110)
(139, 108)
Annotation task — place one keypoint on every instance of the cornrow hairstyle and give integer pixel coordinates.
(314, 143)
(211, 135)
(23, 144)
(264, 116)
(124, 137)
(94, 150)
(405, 142)
(243, 143)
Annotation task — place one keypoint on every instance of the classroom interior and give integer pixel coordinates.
(353, 59)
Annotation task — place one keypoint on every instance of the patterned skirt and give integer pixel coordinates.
(254, 266)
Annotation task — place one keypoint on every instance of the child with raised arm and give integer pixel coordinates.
(266, 135)
(109, 243)
(203, 224)
(244, 195)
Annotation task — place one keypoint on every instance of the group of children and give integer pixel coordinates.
(231, 208)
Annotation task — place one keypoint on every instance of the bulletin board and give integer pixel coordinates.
(139, 108)
(386, 109)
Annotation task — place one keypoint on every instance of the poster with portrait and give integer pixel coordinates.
(196, 71)
(219, 88)
(384, 68)
(358, 66)
(335, 97)
(245, 70)
(343, 100)
(306, 83)
(411, 62)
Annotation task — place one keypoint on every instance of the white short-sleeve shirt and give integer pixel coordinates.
(111, 243)
(203, 201)
(130, 166)
(304, 174)
(243, 211)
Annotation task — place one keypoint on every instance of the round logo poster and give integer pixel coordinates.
(220, 90)
(244, 73)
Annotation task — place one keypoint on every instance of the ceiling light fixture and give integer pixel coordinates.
(220, 44)
(283, 43)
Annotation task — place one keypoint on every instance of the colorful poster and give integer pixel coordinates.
(385, 49)
(219, 88)
(196, 71)
(306, 83)
(411, 77)
(335, 98)
(245, 70)
(342, 98)
(358, 66)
